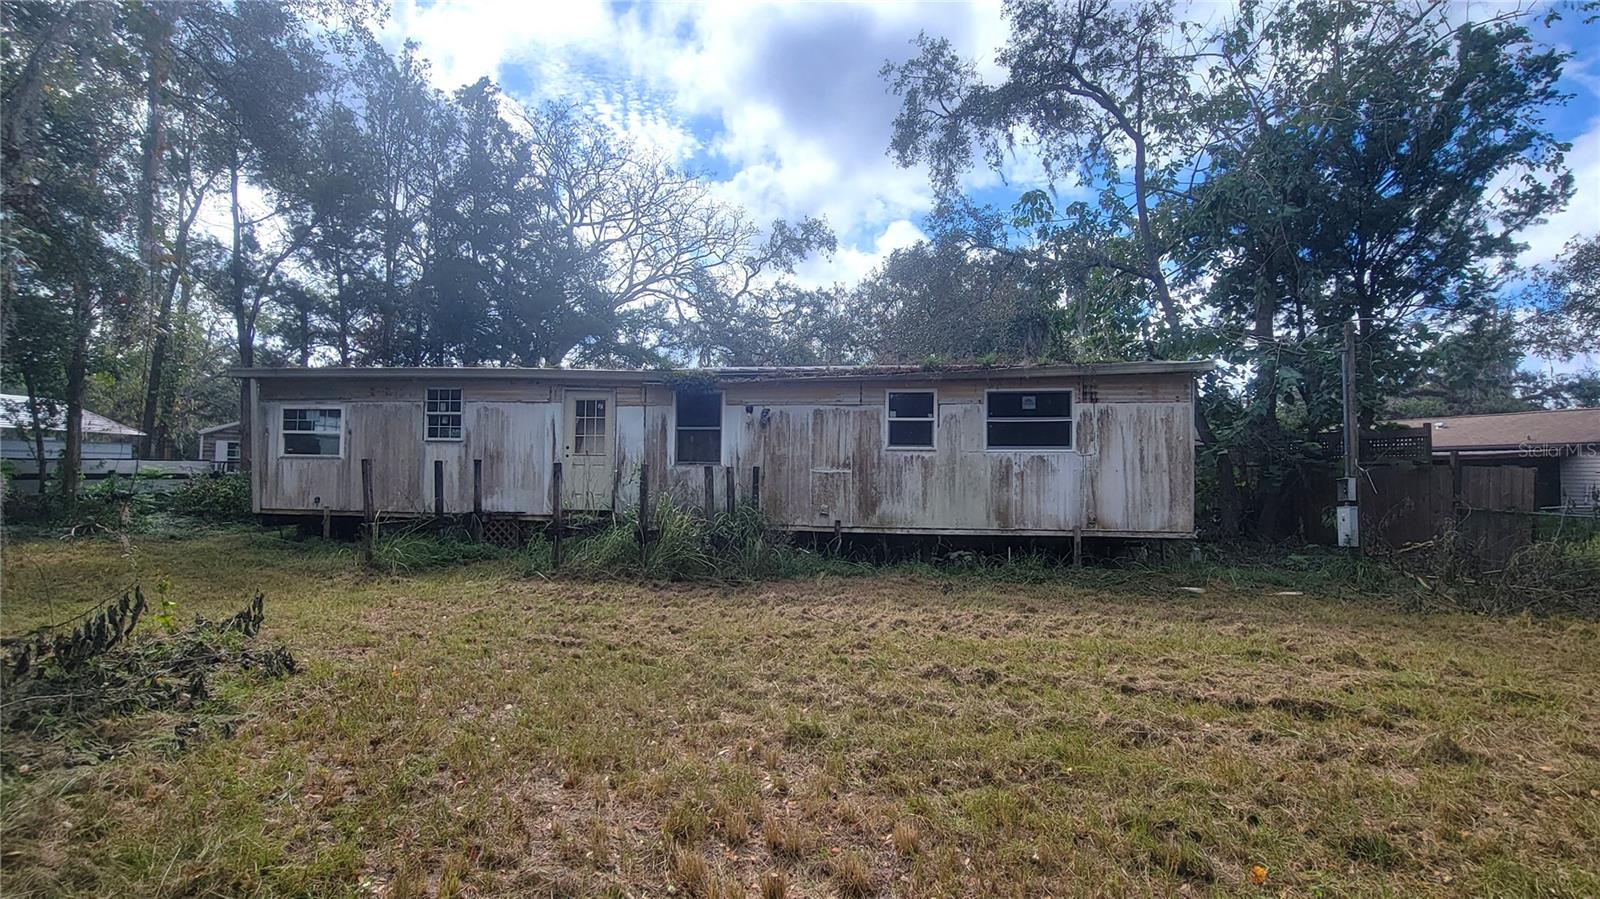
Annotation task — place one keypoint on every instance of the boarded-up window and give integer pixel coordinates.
(444, 413)
(1030, 419)
(911, 419)
(312, 432)
(699, 435)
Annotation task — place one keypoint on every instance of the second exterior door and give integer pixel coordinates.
(589, 450)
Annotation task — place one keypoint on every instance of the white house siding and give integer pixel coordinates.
(1580, 480)
(15, 448)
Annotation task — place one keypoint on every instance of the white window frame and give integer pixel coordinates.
(933, 437)
(460, 414)
(344, 430)
(1071, 420)
(722, 400)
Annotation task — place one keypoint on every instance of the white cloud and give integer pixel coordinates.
(851, 264)
(1582, 215)
(786, 101)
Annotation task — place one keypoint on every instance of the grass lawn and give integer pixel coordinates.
(477, 732)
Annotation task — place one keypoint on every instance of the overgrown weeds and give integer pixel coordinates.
(417, 547)
(733, 546)
(1546, 576)
(124, 505)
(57, 687)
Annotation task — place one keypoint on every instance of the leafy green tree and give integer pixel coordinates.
(1566, 301)
(1264, 180)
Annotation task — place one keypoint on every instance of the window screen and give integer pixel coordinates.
(1030, 419)
(911, 419)
(444, 413)
(699, 435)
(312, 432)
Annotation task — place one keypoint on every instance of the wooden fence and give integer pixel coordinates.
(1490, 507)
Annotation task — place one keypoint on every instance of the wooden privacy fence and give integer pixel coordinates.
(1489, 507)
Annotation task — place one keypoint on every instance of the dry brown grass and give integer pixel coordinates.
(851, 872)
(474, 731)
(905, 837)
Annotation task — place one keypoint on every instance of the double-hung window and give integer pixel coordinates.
(313, 432)
(911, 419)
(699, 426)
(444, 413)
(1029, 419)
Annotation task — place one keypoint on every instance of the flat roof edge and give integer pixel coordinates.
(841, 373)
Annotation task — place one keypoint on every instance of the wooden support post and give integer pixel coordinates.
(555, 516)
(1077, 547)
(438, 494)
(327, 523)
(711, 494)
(644, 514)
(838, 536)
(727, 501)
(755, 486)
(477, 500)
(477, 486)
(368, 513)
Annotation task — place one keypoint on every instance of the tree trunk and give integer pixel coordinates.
(149, 246)
(36, 415)
(244, 325)
(77, 379)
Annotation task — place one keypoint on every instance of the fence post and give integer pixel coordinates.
(711, 494)
(555, 516)
(728, 487)
(367, 513)
(644, 514)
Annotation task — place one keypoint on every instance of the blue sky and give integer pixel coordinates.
(782, 106)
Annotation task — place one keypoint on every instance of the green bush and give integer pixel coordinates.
(223, 497)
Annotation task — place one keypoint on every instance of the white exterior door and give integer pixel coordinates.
(589, 449)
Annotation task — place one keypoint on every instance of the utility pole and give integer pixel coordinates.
(1349, 511)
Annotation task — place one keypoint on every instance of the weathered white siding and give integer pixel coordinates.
(1580, 480)
(820, 446)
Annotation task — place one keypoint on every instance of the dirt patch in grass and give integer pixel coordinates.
(473, 732)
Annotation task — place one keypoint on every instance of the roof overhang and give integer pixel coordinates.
(780, 373)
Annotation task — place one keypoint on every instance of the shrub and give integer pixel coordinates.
(223, 497)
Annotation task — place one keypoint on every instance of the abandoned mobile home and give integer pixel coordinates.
(1101, 449)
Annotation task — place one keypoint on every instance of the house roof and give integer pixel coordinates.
(747, 373)
(225, 426)
(14, 414)
(1512, 430)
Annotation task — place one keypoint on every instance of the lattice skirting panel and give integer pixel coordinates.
(507, 532)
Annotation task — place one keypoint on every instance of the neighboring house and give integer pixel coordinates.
(1102, 449)
(1562, 446)
(219, 445)
(102, 437)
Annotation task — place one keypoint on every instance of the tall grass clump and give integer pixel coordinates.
(418, 547)
(684, 546)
